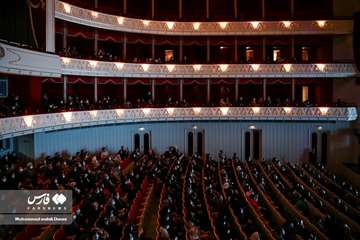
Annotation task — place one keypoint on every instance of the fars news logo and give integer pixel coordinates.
(47, 201)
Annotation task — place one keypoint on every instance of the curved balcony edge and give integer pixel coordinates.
(24, 125)
(71, 13)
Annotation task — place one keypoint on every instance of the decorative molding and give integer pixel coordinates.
(22, 61)
(17, 126)
(115, 69)
(71, 13)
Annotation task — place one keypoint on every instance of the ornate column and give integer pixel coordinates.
(95, 89)
(50, 25)
(124, 47)
(65, 33)
(125, 91)
(181, 50)
(65, 80)
(207, 9)
(180, 9)
(152, 9)
(181, 83)
(236, 90)
(153, 89)
(264, 49)
(153, 48)
(264, 89)
(125, 7)
(207, 49)
(235, 9)
(96, 41)
(208, 89)
(236, 55)
(293, 90)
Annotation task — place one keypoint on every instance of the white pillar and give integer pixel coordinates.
(65, 33)
(96, 41)
(264, 49)
(50, 25)
(180, 9)
(207, 9)
(153, 89)
(208, 50)
(235, 9)
(65, 79)
(153, 48)
(236, 56)
(293, 89)
(292, 47)
(95, 89)
(181, 83)
(208, 89)
(236, 90)
(125, 7)
(181, 50)
(124, 47)
(125, 91)
(292, 9)
(264, 90)
(152, 9)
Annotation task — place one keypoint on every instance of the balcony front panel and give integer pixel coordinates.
(91, 18)
(16, 126)
(81, 67)
(16, 60)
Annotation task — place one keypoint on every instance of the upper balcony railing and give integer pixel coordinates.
(95, 19)
(32, 63)
(81, 67)
(16, 126)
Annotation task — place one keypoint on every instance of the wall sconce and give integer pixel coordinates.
(223, 25)
(94, 113)
(256, 110)
(146, 111)
(287, 110)
(66, 60)
(196, 26)
(197, 67)
(170, 67)
(286, 24)
(119, 112)
(67, 116)
(324, 110)
(223, 67)
(197, 110)
(92, 63)
(255, 67)
(28, 121)
(224, 110)
(146, 22)
(145, 67)
(170, 111)
(321, 23)
(170, 25)
(94, 14)
(321, 67)
(119, 65)
(287, 67)
(255, 25)
(120, 20)
(67, 7)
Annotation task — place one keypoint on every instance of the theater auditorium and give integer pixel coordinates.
(179, 119)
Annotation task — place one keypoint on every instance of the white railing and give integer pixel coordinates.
(32, 63)
(116, 69)
(95, 19)
(16, 126)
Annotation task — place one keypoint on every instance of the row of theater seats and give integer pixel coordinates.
(135, 196)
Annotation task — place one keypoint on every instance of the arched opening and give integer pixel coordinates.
(314, 147)
(256, 144)
(146, 143)
(200, 148)
(247, 145)
(137, 141)
(324, 148)
(190, 141)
